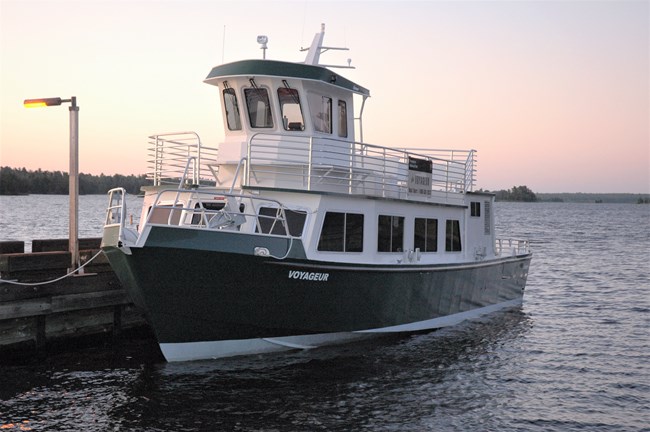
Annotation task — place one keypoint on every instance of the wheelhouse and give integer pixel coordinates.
(274, 96)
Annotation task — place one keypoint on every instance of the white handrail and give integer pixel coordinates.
(179, 200)
(168, 155)
(511, 246)
(316, 163)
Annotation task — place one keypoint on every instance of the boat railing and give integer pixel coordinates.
(511, 246)
(327, 164)
(169, 155)
(203, 209)
(116, 210)
(116, 215)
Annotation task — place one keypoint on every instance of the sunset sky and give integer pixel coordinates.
(554, 95)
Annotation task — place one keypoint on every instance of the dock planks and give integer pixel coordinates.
(87, 304)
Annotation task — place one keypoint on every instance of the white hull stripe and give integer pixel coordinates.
(186, 351)
(445, 321)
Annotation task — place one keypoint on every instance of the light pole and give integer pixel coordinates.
(73, 238)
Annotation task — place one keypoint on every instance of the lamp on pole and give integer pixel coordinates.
(73, 239)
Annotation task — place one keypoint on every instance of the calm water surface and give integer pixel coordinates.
(36, 217)
(574, 357)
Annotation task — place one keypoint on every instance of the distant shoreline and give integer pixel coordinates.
(604, 198)
(20, 181)
(564, 197)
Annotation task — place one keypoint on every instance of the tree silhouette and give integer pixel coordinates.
(19, 181)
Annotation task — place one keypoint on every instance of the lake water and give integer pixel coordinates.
(574, 357)
(37, 217)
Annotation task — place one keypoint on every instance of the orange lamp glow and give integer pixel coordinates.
(39, 103)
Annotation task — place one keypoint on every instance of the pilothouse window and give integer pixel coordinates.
(232, 109)
(259, 107)
(343, 119)
(292, 119)
(321, 112)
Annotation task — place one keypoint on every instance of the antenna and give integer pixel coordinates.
(314, 51)
(223, 43)
(317, 48)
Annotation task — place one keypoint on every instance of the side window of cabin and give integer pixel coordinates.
(343, 119)
(452, 236)
(232, 109)
(259, 107)
(426, 235)
(290, 109)
(270, 221)
(475, 209)
(321, 112)
(341, 232)
(165, 214)
(390, 234)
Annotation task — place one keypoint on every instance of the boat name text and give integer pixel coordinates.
(312, 276)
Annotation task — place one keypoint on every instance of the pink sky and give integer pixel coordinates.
(554, 95)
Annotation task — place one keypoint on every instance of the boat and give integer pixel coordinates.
(294, 233)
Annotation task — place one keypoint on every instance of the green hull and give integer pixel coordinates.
(194, 290)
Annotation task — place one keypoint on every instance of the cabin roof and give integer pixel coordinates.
(252, 68)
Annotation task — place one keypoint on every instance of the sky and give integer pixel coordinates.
(554, 95)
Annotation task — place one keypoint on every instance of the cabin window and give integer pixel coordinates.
(488, 217)
(232, 109)
(452, 236)
(270, 222)
(292, 119)
(390, 234)
(259, 107)
(475, 209)
(321, 112)
(210, 209)
(165, 214)
(341, 232)
(343, 119)
(426, 234)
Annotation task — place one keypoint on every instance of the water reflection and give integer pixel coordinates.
(406, 380)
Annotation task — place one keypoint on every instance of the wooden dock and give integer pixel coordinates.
(93, 304)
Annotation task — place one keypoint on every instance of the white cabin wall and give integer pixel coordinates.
(479, 230)
(371, 210)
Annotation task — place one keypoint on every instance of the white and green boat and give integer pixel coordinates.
(294, 234)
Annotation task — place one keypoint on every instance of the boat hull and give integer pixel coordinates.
(214, 303)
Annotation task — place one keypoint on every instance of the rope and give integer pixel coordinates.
(286, 254)
(53, 280)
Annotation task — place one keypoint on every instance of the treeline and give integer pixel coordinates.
(517, 193)
(20, 181)
(523, 193)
